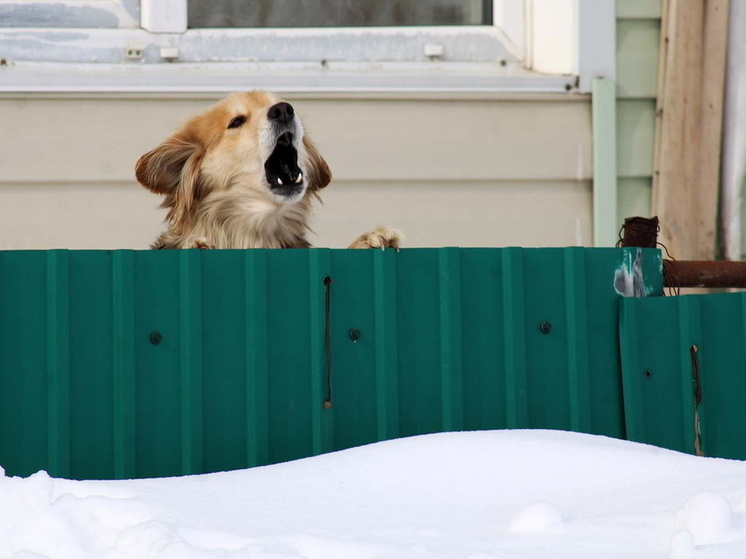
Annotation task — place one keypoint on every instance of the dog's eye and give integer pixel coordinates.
(236, 122)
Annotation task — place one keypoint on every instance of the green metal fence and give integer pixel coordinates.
(119, 364)
(684, 365)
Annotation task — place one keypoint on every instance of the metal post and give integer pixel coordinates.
(643, 232)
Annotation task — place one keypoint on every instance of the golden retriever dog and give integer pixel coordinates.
(243, 174)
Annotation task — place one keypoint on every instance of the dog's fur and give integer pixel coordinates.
(241, 175)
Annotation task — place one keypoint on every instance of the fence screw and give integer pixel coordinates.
(545, 327)
(648, 373)
(355, 334)
(155, 338)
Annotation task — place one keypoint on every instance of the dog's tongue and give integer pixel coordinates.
(281, 167)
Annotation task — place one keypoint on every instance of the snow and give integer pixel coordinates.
(471, 495)
(539, 518)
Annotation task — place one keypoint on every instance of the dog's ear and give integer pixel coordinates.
(319, 172)
(172, 169)
(160, 169)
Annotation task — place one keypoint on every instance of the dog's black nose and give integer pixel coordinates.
(282, 112)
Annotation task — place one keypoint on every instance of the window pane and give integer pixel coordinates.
(337, 13)
(95, 14)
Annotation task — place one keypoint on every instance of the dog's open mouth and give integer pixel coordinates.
(281, 168)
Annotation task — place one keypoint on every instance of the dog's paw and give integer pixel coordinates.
(381, 237)
(201, 243)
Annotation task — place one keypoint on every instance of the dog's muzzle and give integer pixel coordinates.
(283, 175)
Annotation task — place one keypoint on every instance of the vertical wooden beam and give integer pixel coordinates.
(688, 127)
(733, 167)
(713, 100)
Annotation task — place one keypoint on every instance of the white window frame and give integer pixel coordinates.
(164, 16)
(511, 55)
(587, 33)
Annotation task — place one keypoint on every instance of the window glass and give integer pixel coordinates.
(337, 13)
(70, 13)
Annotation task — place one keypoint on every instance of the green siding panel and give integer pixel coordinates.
(634, 197)
(636, 126)
(638, 9)
(657, 335)
(637, 57)
(118, 364)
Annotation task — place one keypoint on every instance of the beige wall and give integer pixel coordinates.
(489, 171)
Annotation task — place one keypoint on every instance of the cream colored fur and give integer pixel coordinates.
(212, 176)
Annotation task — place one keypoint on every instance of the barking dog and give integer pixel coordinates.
(241, 175)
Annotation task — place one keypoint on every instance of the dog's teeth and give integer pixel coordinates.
(300, 177)
(279, 181)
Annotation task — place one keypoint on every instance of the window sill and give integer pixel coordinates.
(176, 77)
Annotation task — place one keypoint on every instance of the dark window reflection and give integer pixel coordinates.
(337, 13)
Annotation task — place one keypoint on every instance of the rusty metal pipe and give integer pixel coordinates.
(640, 232)
(643, 232)
(704, 273)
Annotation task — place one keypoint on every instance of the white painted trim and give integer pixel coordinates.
(163, 16)
(397, 78)
(596, 42)
(551, 32)
(572, 37)
(361, 95)
(510, 17)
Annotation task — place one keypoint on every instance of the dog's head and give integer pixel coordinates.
(249, 141)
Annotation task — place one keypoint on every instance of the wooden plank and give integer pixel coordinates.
(713, 99)
(689, 120)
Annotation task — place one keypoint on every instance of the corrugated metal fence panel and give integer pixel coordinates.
(119, 364)
(659, 371)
